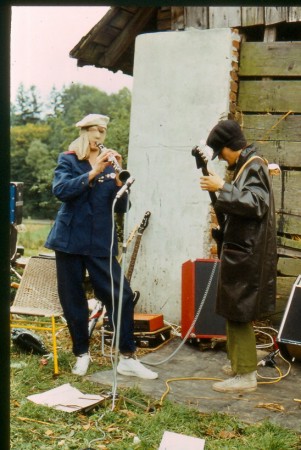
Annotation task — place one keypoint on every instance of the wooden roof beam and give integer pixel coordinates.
(126, 37)
(81, 46)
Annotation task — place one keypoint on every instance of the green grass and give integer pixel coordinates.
(32, 236)
(39, 427)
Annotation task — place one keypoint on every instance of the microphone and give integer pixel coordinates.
(125, 187)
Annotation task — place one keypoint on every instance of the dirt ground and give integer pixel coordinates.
(275, 401)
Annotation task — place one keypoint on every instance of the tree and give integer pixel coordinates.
(56, 107)
(119, 126)
(28, 106)
(79, 100)
(21, 139)
(41, 165)
(35, 106)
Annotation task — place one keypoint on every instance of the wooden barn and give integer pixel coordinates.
(264, 95)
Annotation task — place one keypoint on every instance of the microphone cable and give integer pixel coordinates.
(116, 328)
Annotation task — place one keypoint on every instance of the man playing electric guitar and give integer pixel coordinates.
(248, 260)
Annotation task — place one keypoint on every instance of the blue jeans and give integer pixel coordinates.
(71, 270)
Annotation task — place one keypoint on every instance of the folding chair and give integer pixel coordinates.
(37, 296)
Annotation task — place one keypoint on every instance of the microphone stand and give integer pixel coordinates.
(122, 274)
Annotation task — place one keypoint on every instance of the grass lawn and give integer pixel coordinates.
(40, 427)
(32, 236)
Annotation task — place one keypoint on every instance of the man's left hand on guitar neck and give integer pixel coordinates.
(212, 182)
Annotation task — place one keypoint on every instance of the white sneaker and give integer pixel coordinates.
(132, 367)
(240, 383)
(81, 365)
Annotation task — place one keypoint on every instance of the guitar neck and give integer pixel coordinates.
(213, 196)
(133, 257)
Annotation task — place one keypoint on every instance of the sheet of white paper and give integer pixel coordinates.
(66, 398)
(175, 441)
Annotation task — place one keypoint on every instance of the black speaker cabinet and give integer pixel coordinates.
(289, 335)
(195, 280)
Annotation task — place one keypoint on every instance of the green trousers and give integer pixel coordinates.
(241, 346)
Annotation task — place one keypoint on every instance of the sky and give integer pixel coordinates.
(41, 39)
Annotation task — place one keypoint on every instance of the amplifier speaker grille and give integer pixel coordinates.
(195, 277)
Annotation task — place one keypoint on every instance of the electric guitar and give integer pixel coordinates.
(217, 233)
(140, 231)
(129, 240)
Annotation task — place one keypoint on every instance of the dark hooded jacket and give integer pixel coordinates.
(247, 278)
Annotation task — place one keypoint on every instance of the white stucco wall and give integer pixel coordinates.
(180, 91)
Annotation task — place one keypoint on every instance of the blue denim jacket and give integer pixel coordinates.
(84, 221)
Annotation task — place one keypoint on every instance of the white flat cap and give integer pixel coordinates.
(93, 119)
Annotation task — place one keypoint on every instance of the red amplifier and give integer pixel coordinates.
(195, 281)
(142, 322)
(148, 322)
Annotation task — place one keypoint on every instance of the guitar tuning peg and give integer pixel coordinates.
(206, 150)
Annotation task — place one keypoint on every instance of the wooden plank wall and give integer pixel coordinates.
(204, 17)
(269, 104)
(269, 109)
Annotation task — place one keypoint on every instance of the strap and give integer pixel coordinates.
(246, 164)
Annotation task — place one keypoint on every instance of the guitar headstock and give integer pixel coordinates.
(200, 159)
(144, 222)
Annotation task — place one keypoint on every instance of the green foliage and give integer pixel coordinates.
(79, 100)
(36, 142)
(118, 131)
(56, 106)
(21, 135)
(28, 106)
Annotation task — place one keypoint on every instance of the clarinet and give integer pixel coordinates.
(123, 174)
